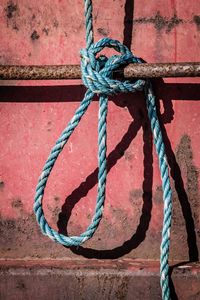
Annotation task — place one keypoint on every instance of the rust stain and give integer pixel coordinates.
(122, 288)
(135, 194)
(185, 202)
(54, 212)
(161, 22)
(20, 285)
(35, 35)
(138, 281)
(103, 31)
(55, 23)
(12, 12)
(11, 9)
(17, 203)
(158, 198)
(22, 237)
(57, 199)
(128, 155)
(46, 30)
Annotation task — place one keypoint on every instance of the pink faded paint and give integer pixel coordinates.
(33, 114)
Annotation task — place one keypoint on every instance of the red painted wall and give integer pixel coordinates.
(33, 114)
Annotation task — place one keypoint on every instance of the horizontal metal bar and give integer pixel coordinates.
(144, 70)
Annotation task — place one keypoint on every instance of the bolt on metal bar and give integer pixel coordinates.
(145, 70)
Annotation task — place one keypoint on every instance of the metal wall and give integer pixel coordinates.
(33, 114)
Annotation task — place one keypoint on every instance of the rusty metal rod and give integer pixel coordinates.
(145, 70)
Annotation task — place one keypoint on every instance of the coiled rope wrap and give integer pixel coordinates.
(97, 77)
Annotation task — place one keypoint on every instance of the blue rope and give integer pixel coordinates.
(97, 77)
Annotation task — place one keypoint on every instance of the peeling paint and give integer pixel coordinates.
(185, 200)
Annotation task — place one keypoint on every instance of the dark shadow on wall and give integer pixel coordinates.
(73, 93)
(128, 23)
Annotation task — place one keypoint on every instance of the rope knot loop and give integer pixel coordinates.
(97, 72)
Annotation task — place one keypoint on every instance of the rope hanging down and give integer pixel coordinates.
(97, 77)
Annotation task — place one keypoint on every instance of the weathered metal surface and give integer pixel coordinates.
(33, 114)
(74, 72)
(122, 280)
(162, 70)
(39, 72)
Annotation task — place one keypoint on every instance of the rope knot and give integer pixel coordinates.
(97, 75)
(97, 72)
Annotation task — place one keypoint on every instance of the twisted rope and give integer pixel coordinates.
(97, 77)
